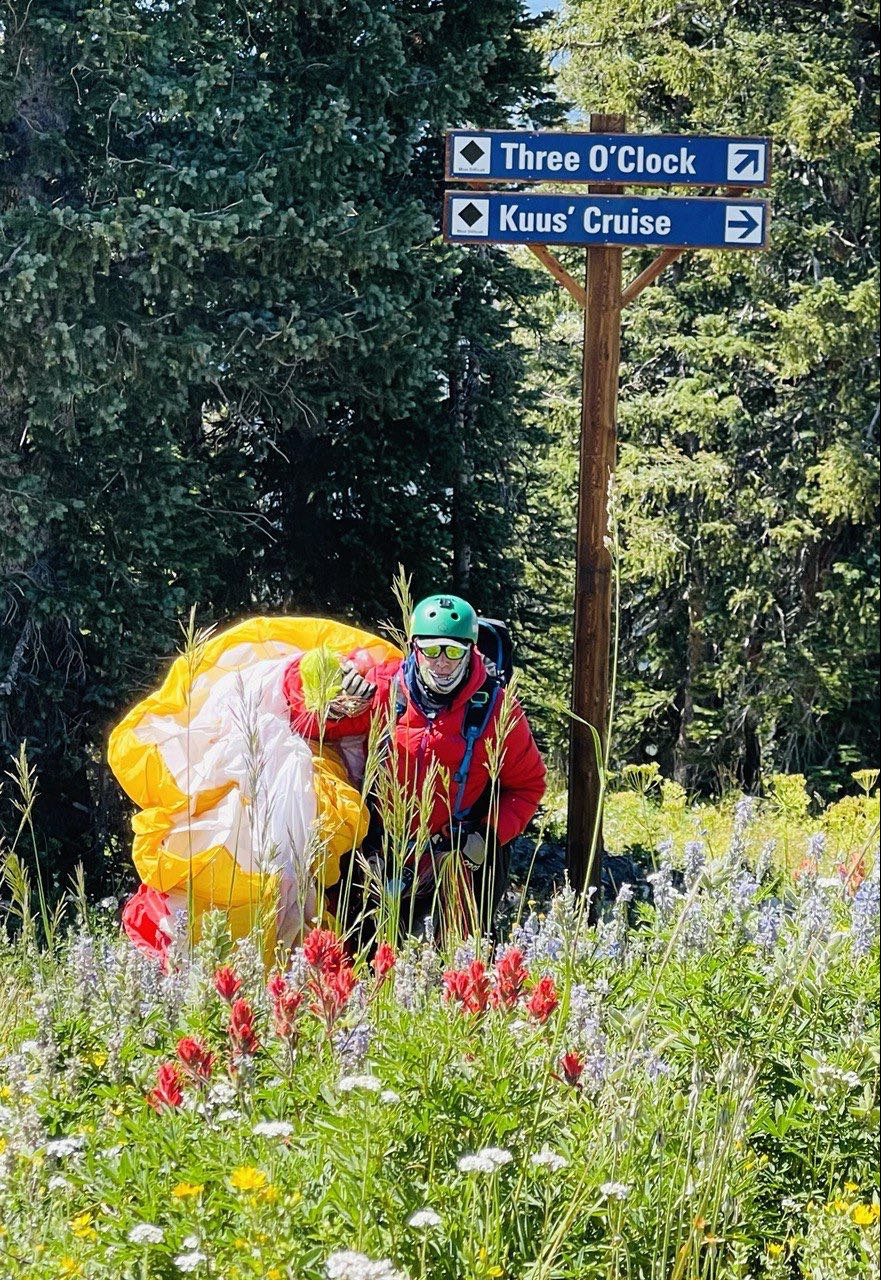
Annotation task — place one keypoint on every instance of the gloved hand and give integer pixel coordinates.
(474, 850)
(470, 845)
(356, 696)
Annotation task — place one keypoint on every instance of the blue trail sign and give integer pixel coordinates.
(691, 222)
(629, 158)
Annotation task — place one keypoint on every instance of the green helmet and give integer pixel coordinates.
(447, 616)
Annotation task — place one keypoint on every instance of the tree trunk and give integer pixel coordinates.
(694, 658)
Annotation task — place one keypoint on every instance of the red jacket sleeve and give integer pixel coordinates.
(308, 725)
(521, 780)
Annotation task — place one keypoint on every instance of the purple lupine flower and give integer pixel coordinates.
(745, 811)
(864, 917)
(664, 894)
(655, 1066)
(694, 860)
(816, 846)
(743, 891)
(765, 860)
(767, 928)
(353, 1044)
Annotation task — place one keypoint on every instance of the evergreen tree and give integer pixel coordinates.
(747, 482)
(225, 331)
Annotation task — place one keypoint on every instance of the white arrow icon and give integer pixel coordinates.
(471, 155)
(746, 161)
(469, 217)
(744, 224)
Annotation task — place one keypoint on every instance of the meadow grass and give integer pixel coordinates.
(686, 1090)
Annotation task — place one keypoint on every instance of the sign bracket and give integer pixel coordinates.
(559, 272)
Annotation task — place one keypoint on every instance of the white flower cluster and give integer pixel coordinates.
(190, 1261)
(486, 1160)
(349, 1265)
(146, 1233)
(548, 1159)
(62, 1147)
(423, 1218)
(348, 1084)
(615, 1190)
(273, 1129)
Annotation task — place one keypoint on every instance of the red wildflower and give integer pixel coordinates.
(383, 962)
(807, 867)
(196, 1057)
(324, 951)
(227, 983)
(286, 1001)
(331, 991)
(510, 975)
(167, 1091)
(471, 987)
(241, 1028)
(543, 999)
(572, 1065)
(276, 986)
(852, 876)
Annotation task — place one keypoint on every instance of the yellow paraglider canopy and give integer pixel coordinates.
(237, 811)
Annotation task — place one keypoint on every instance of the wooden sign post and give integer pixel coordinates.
(606, 221)
(593, 563)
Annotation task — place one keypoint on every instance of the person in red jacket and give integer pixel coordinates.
(447, 707)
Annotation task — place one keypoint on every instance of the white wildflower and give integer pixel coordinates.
(227, 1115)
(58, 1183)
(273, 1129)
(349, 1265)
(389, 1097)
(615, 1190)
(486, 1160)
(222, 1092)
(61, 1147)
(424, 1218)
(548, 1159)
(146, 1233)
(347, 1084)
(191, 1242)
(189, 1261)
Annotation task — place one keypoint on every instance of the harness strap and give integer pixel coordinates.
(477, 716)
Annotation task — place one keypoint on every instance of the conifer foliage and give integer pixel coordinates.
(748, 421)
(226, 333)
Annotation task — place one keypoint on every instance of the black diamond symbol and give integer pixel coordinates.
(472, 152)
(470, 214)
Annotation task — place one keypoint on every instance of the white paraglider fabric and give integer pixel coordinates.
(240, 733)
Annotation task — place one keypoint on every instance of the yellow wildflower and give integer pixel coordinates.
(269, 1194)
(247, 1178)
(273, 1274)
(184, 1190)
(241, 1243)
(2, 1144)
(5, 1092)
(865, 1214)
(851, 1187)
(81, 1226)
(98, 1059)
(840, 1206)
(69, 1266)
(774, 1249)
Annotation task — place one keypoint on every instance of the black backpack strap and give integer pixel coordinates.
(477, 715)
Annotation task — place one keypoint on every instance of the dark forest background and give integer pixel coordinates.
(239, 370)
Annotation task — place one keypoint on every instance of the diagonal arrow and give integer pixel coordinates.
(746, 223)
(749, 159)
